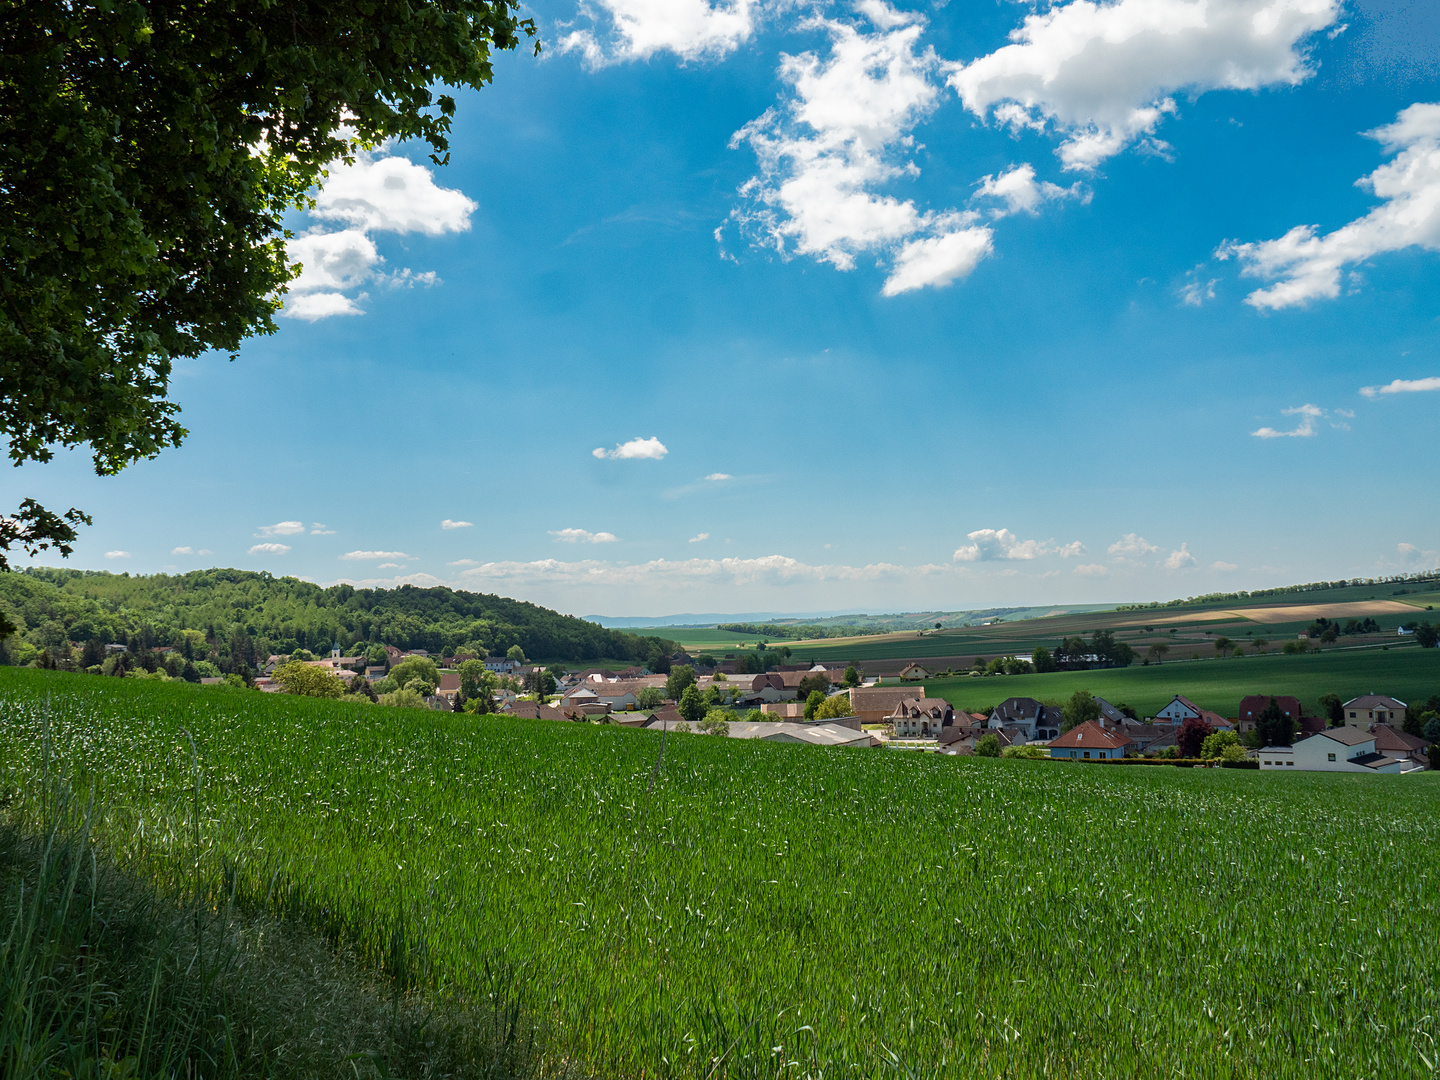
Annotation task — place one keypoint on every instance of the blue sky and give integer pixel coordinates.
(788, 307)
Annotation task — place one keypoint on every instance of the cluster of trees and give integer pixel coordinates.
(1329, 630)
(1077, 654)
(234, 617)
(1012, 665)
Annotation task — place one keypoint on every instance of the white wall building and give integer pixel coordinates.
(1342, 749)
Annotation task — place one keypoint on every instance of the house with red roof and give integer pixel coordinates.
(1090, 742)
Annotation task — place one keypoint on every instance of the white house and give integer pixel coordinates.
(1342, 749)
(1182, 708)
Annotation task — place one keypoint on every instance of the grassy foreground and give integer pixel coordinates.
(741, 909)
(1410, 674)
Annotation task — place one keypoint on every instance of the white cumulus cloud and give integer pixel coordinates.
(1102, 75)
(699, 537)
(1304, 429)
(316, 529)
(994, 545)
(719, 476)
(636, 29)
(1132, 546)
(1017, 192)
(448, 524)
(269, 549)
(1306, 266)
(1179, 558)
(1413, 557)
(1091, 570)
(636, 448)
(1223, 567)
(380, 192)
(374, 556)
(583, 536)
(182, 551)
(1402, 386)
(841, 136)
(377, 192)
(117, 554)
(281, 528)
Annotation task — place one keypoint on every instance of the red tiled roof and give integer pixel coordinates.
(1091, 735)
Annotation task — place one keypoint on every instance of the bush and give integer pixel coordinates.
(300, 678)
(987, 746)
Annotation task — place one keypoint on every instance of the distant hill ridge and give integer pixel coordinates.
(280, 614)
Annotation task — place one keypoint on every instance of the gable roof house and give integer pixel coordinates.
(874, 704)
(1090, 742)
(1339, 749)
(1410, 750)
(1372, 709)
(921, 718)
(912, 672)
(1035, 720)
(1182, 708)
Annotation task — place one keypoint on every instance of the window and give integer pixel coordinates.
(1329, 757)
(1290, 763)
(1087, 753)
(1352, 716)
(1267, 763)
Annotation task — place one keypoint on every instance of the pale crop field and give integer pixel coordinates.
(743, 909)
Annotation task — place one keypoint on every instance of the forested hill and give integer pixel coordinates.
(281, 614)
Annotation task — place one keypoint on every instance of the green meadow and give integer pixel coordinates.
(690, 906)
(1408, 673)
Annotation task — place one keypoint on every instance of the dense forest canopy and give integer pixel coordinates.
(255, 611)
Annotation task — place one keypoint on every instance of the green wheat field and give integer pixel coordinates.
(738, 909)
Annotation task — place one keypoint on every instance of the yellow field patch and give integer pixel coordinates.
(1303, 612)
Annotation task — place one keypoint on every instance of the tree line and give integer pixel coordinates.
(233, 618)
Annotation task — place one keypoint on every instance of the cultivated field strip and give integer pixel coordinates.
(754, 910)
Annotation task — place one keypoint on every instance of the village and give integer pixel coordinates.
(840, 706)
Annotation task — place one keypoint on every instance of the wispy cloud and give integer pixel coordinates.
(1091, 570)
(182, 551)
(583, 536)
(1306, 428)
(1403, 386)
(448, 524)
(719, 476)
(282, 528)
(117, 554)
(637, 448)
(702, 536)
(374, 556)
(316, 529)
(269, 549)
(1306, 266)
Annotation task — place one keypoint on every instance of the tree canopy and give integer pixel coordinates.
(148, 152)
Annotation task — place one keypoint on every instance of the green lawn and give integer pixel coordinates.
(735, 910)
(1409, 673)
